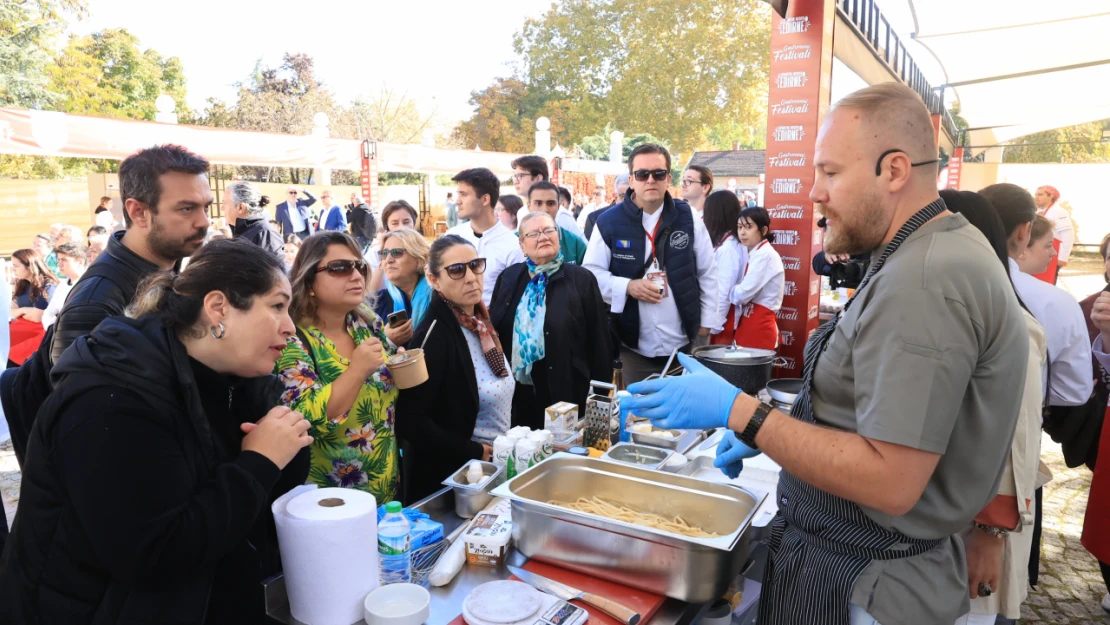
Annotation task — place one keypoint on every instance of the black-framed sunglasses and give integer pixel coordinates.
(879, 163)
(342, 268)
(658, 174)
(458, 270)
(395, 252)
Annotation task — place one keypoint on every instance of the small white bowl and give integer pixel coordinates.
(397, 604)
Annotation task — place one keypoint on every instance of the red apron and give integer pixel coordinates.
(1049, 275)
(758, 327)
(25, 338)
(1096, 524)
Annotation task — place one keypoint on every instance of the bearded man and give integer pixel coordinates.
(910, 396)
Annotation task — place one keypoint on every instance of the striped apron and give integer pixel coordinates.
(820, 543)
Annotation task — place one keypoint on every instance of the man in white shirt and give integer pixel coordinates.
(697, 184)
(72, 263)
(597, 203)
(478, 190)
(654, 264)
(527, 171)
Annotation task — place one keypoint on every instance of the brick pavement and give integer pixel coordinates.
(1070, 588)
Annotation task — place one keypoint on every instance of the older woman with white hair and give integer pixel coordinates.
(552, 357)
(246, 215)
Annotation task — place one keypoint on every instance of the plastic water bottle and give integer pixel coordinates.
(394, 557)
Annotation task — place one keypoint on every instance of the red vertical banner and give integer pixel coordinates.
(370, 173)
(801, 72)
(955, 166)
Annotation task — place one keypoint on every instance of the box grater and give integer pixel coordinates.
(601, 411)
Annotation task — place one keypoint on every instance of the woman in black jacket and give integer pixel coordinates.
(453, 417)
(552, 323)
(152, 466)
(247, 217)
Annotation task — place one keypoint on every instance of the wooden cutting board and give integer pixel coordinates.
(646, 604)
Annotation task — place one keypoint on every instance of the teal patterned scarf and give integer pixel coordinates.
(528, 347)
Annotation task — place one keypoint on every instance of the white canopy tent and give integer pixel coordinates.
(1017, 66)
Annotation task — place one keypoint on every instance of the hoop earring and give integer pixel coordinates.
(222, 331)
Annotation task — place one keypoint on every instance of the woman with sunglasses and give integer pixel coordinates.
(404, 256)
(34, 286)
(333, 369)
(396, 215)
(467, 401)
(760, 292)
(560, 369)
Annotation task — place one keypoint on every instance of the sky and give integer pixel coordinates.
(436, 50)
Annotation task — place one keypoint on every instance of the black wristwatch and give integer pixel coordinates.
(748, 435)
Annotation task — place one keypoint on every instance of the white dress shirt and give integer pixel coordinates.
(295, 218)
(660, 324)
(765, 280)
(1064, 231)
(584, 214)
(1069, 345)
(565, 219)
(732, 258)
(498, 245)
(57, 300)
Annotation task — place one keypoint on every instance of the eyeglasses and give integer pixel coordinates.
(396, 252)
(292, 193)
(687, 183)
(546, 233)
(458, 270)
(343, 268)
(518, 177)
(879, 163)
(658, 174)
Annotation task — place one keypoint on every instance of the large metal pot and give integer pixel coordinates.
(745, 368)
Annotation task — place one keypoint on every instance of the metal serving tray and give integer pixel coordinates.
(680, 567)
(644, 456)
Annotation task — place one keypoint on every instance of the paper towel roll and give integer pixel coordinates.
(328, 539)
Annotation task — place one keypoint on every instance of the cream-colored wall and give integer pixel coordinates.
(1082, 188)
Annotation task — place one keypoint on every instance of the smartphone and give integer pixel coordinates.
(398, 318)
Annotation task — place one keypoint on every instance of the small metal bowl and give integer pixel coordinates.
(644, 456)
(469, 499)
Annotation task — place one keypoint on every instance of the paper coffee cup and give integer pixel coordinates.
(408, 368)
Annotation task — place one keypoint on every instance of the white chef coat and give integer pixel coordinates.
(660, 324)
(57, 300)
(1069, 345)
(765, 280)
(1064, 231)
(565, 219)
(498, 245)
(732, 258)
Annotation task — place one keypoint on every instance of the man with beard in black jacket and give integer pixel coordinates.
(246, 214)
(166, 197)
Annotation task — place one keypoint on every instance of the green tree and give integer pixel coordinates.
(682, 70)
(26, 30)
(107, 73)
(1075, 144)
(597, 146)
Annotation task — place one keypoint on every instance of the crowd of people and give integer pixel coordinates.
(161, 397)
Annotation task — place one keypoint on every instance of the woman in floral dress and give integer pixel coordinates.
(334, 373)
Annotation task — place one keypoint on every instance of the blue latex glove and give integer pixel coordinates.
(698, 400)
(731, 454)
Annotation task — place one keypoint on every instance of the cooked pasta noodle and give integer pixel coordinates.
(600, 507)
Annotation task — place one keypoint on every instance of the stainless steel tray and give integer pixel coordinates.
(680, 567)
(645, 456)
(681, 443)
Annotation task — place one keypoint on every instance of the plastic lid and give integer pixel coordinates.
(393, 507)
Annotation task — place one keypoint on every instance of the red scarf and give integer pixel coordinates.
(480, 324)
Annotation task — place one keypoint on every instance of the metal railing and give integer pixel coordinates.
(873, 28)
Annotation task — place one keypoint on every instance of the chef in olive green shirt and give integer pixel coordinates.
(910, 396)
